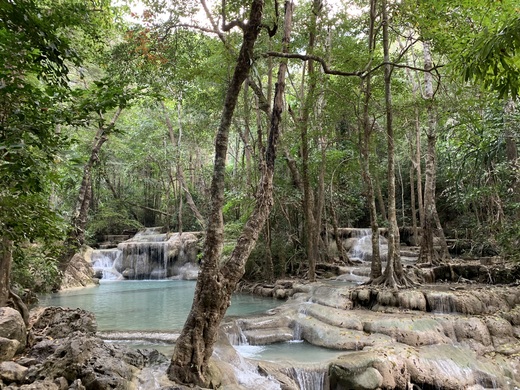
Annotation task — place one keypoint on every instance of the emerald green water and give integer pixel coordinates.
(143, 314)
(151, 306)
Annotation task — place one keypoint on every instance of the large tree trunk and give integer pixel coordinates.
(217, 282)
(431, 223)
(311, 238)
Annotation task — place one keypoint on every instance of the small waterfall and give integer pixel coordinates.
(362, 249)
(236, 335)
(296, 326)
(105, 262)
(308, 378)
(441, 302)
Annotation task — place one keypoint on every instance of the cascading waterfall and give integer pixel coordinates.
(441, 302)
(308, 378)
(104, 263)
(362, 249)
(150, 254)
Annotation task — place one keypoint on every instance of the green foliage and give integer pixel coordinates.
(110, 220)
(493, 59)
(35, 268)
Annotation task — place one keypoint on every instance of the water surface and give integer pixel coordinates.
(150, 305)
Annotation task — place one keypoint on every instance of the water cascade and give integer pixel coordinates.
(308, 378)
(150, 254)
(362, 248)
(105, 263)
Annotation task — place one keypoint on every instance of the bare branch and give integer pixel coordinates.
(307, 57)
(327, 70)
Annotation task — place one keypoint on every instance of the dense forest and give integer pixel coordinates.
(269, 126)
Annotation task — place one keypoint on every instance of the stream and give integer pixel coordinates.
(151, 313)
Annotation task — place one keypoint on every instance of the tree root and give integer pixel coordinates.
(20, 306)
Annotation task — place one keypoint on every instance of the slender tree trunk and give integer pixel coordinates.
(269, 266)
(76, 235)
(394, 274)
(217, 282)
(342, 253)
(431, 224)
(180, 172)
(308, 195)
(6, 260)
(366, 124)
(413, 207)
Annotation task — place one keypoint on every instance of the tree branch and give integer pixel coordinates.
(327, 70)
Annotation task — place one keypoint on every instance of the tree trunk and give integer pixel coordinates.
(431, 224)
(394, 274)
(311, 238)
(76, 235)
(342, 253)
(180, 172)
(217, 282)
(6, 260)
(366, 124)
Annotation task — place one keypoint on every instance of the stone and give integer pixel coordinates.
(79, 272)
(268, 336)
(12, 327)
(412, 300)
(46, 384)
(97, 364)
(8, 348)
(60, 322)
(357, 371)
(409, 330)
(128, 273)
(12, 372)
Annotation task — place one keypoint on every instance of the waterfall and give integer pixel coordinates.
(104, 263)
(236, 335)
(441, 302)
(362, 249)
(150, 254)
(308, 378)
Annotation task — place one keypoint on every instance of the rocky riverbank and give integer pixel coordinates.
(437, 336)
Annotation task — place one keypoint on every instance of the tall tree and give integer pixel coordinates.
(217, 281)
(394, 275)
(428, 254)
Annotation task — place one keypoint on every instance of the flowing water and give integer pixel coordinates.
(151, 313)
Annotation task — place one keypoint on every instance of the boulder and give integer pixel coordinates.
(98, 365)
(11, 372)
(79, 272)
(60, 322)
(8, 348)
(12, 327)
(414, 331)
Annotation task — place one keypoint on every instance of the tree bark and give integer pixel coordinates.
(365, 136)
(393, 275)
(6, 260)
(217, 282)
(431, 223)
(311, 238)
(180, 172)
